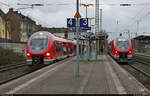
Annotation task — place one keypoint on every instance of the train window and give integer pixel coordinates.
(123, 45)
(39, 42)
(59, 47)
(68, 49)
(53, 46)
(64, 50)
(74, 47)
(71, 50)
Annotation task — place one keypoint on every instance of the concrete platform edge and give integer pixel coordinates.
(139, 88)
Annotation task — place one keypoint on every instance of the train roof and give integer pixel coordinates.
(55, 37)
(121, 39)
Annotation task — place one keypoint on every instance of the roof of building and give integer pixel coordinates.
(2, 14)
(56, 30)
(142, 37)
(22, 17)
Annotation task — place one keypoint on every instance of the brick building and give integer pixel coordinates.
(4, 26)
(21, 26)
(15, 25)
(27, 27)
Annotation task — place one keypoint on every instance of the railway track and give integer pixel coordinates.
(140, 69)
(8, 68)
(5, 69)
(15, 77)
(11, 67)
(143, 62)
(15, 67)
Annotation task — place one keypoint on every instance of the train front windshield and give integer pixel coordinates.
(39, 42)
(123, 45)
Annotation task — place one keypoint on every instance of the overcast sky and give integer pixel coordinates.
(55, 12)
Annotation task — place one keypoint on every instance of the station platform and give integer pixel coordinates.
(103, 76)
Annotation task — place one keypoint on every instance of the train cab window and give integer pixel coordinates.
(39, 42)
(123, 45)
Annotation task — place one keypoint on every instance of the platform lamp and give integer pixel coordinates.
(86, 6)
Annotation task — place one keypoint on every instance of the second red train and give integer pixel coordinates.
(121, 49)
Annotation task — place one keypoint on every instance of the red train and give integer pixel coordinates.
(121, 49)
(44, 47)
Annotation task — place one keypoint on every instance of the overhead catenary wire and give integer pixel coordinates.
(134, 18)
(138, 17)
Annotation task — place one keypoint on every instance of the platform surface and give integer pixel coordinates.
(103, 76)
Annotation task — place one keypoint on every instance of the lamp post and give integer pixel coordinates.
(86, 6)
(89, 43)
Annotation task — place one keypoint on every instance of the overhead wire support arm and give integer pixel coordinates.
(4, 4)
(31, 6)
(23, 8)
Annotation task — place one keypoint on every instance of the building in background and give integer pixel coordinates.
(21, 26)
(4, 26)
(27, 27)
(141, 44)
(60, 32)
(17, 27)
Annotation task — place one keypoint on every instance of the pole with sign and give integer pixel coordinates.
(77, 16)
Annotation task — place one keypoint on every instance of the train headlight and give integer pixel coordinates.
(130, 51)
(116, 52)
(48, 54)
(28, 54)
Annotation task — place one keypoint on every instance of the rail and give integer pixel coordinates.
(11, 67)
(141, 71)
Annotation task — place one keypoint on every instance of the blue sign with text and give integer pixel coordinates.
(71, 22)
(87, 28)
(84, 22)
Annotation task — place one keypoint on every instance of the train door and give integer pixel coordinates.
(64, 49)
(59, 50)
(54, 49)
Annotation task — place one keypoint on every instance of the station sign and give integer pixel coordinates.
(84, 22)
(71, 22)
(87, 28)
